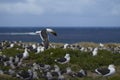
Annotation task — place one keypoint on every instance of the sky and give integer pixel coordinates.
(63, 13)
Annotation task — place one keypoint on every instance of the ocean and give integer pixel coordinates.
(65, 34)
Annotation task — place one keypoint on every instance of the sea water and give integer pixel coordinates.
(64, 34)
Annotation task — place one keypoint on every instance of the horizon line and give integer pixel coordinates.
(65, 26)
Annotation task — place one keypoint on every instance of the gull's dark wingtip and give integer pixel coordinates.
(54, 33)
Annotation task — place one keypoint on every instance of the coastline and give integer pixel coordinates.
(88, 44)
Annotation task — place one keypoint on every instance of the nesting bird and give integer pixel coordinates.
(44, 67)
(44, 36)
(57, 68)
(34, 46)
(1, 72)
(60, 76)
(26, 75)
(81, 73)
(106, 71)
(65, 46)
(101, 45)
(64, 59)
(68, 71)
(25, 54)
(95, 51)
(49, 76)
(40, 49)
(55, 72)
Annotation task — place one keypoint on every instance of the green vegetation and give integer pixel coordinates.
(79, 60)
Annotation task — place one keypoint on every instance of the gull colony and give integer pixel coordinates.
(37, 70)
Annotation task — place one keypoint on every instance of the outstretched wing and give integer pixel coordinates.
(26, 33)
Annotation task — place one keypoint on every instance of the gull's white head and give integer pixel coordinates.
(51, 31)
(111, 66)
(67, 55)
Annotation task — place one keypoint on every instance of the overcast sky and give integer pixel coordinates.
(60, 13)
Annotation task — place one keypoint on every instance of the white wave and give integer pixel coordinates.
(26, 33)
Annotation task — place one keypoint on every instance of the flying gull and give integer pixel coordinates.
(44, 36)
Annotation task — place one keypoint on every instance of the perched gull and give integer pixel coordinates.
(11, 72)
(10, 45)
(44, 67)
(68, 71)
(44, 36)
(106, 71)
(49, 76)
(34, 46)
(1, 72)
(26, 75)
(60, 76)
(40, 49)
(57, 68)
(35, 66)
(34, 74)
(55, 71)
(101, 45)
(65, 46)
(25, 54)
(82, 49)
(81, 73)
(95, 51)
(63, 60)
